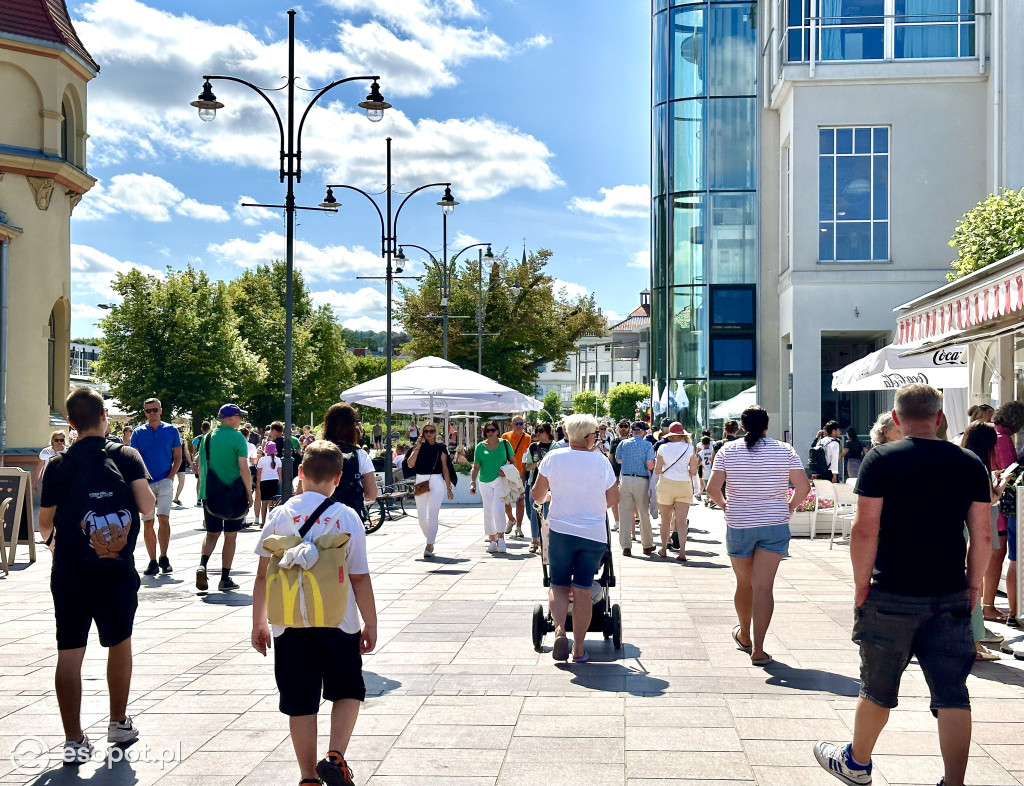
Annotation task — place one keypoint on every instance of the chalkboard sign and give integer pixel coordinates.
(18, 522)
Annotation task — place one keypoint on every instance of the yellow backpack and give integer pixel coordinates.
(308, 598)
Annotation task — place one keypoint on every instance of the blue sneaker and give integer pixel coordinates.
(837, 761)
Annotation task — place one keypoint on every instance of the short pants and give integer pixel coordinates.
(891, 629)
(163, 491)
(311, 661)
(106, 592)
(673, 491)
(740, 542)
(573, 560)
(269, 488)
(217, 524)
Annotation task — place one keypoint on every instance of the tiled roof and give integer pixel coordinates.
(640, 317)
(45, 20)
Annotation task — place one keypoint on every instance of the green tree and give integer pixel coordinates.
(176, 339)
(587, 402)
(622, 399)
(367, 367)
(553, 405)
(991, 230)
(522, 331)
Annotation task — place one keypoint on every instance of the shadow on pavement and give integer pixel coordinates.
(376, 685)
(117, 773)
(695, 564)
(614, 677)
(227, 599)
(811, 679)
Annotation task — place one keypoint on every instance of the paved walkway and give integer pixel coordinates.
(460, 697)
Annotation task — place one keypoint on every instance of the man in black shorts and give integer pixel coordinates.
(913, 597)
(90, 503)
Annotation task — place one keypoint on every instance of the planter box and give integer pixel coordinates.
(462, 496)
(800, 524)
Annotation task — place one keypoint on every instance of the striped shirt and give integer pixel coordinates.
(634, 452)
(758, 481)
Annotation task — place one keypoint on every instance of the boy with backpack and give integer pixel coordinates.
(823, 457)
(311, 660)
(91, 500)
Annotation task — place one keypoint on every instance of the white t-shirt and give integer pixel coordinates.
(48, 453)
(397, 461)
(677, 456)
(705, 454)
(252, 453)
(757, 481)
(288, 518)
(269, 472)
(578, 479)
(365, 465)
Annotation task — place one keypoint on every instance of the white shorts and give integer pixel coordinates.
(162, 490)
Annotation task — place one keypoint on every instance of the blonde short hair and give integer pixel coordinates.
(579, 427)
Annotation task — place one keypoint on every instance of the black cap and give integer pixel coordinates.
(639, 424)
(665, 423)
(623, 424)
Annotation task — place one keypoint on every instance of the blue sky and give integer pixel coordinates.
(536, 110)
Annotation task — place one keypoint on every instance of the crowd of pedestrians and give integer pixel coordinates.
(926, 565)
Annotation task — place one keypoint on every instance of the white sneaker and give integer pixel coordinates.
(615, 527)
(122, 732)
(501, 545)
(835, 762)
(492, 546)
(76, 753)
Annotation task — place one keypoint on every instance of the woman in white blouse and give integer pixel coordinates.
(675, 465)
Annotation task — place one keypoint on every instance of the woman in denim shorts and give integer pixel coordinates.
(581, 486)
(750, 481)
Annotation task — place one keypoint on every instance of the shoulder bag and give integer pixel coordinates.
(228, 501)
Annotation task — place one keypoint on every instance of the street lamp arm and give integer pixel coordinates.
(421, 248)
(265, 97)
(376, 207)
(302, 120)
(394, 229)
(463, 251)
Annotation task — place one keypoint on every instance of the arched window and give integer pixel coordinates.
(51, 353)
(65, 141)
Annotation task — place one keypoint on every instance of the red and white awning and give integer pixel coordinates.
(960, 311)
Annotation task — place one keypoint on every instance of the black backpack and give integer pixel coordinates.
(350, 488)
(817, 461)
(105, 498)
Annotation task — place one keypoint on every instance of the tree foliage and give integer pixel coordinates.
(365, 368)
(553, 404)
(175, 339)
(622, 399)
(991, 230)
(539, 325)
(587, 402)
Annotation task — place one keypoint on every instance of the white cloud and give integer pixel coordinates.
(539, 41)
(367, 323)
(642, 260)
(569, 289)
(146, 197)
(325, 264)
(153, 59)
(93, 271)
(620, 201)
(346, 305)
(252, 216)
(460, 241)
(611, 317)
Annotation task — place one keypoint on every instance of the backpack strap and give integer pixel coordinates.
(508, 457)
(314, 517)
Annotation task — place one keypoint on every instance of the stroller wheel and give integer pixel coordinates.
(616, 627)
(540, 626)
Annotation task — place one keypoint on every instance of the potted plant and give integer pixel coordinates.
(461, 490)
(801, 519)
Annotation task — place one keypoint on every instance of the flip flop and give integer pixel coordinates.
(560, 649)
(581, 659)
(761, 661)
(747, 648)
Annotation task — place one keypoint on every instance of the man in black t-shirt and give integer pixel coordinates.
(913, 596)
(90, 503)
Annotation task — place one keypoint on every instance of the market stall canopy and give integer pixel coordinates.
(431, 385)
(732, 408)
(884, 369)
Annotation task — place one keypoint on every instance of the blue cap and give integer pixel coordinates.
(230, 410)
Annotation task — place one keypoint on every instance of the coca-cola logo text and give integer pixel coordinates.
(949, 357)
(894, 381)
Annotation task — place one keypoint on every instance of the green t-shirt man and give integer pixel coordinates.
(227, 445)
(491, 461)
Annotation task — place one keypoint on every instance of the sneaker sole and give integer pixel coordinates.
(123, 743)
(202, 583)
(824, 760)
(560, 649)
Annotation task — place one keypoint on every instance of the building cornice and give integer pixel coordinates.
(35, 46)
(37, 164)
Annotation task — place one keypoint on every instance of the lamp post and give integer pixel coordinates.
(290, 171)
(388, 245)
(446, 271)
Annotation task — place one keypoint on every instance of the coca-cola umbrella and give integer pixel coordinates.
(884, 369)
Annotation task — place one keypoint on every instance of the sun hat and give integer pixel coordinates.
(676, 429)
(270, 449)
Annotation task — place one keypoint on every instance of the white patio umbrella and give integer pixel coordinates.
(430, 385)
(884, 369)
(732, 408)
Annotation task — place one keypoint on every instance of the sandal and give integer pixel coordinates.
(747, 648)
(999, 617)
(681, 557)
(581, 659)
(761, 661)
(534, 546)
(663, 553)
(982, 654)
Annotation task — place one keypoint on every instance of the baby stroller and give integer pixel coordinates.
(606, 618)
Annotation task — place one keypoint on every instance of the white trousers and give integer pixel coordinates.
(494, 508)
(428, 505)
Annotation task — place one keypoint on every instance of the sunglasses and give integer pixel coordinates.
(490, 431)
(152, 411)
(429, 431)
(518, 423)
(58, 439)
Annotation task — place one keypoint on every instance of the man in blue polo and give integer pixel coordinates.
(160, 446)
(635, 457)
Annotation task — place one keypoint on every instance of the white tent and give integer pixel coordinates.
(732, 408)
(430, 385)
(884, 369)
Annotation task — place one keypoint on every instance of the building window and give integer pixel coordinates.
(604, 384)
(853, 194)
(881, 30)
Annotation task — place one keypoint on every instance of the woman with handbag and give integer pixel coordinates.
(432, 464)
(534, 455)
(490, 456)
(674, 466)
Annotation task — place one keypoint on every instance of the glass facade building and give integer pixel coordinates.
(704, 180)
